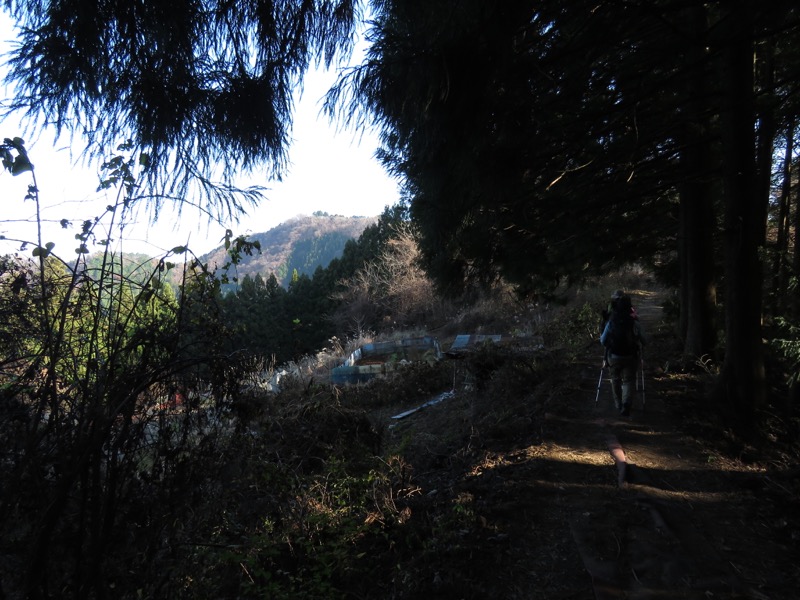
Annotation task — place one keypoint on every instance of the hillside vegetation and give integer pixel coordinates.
(302, 243)
(506, 488)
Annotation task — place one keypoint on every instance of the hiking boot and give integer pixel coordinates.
(626, 410)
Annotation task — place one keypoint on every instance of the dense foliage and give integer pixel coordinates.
(547, 140)
(123, 403)
(197, 85)
(285, 323)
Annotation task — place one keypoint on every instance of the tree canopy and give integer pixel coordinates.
(529, 134)
(198, 85)
(538, 139)
(548, 140)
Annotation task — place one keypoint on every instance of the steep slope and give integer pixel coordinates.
(301, 243)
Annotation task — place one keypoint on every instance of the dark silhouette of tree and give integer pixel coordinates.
(698, 193)
(506, 122)
(195, 85)
(547, 141)
(742, 383)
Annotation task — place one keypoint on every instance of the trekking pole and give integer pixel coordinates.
(599, 383)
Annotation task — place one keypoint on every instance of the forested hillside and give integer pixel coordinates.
(302, 244)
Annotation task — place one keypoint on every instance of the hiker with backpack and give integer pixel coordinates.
(623, 339)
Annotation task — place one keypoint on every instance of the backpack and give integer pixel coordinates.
(622, 339)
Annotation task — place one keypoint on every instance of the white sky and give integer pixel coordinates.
(330, 171)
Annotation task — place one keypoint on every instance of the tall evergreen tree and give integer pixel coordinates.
(526, 154)
(543, 140)
(699, 156)
(742, 383)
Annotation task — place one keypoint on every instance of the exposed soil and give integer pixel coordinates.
(560, 497)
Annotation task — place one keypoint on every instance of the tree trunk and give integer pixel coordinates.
(742, 382)
(701, 291)
(796, 255)
(698, 287)
(765, 73)
(780, 258)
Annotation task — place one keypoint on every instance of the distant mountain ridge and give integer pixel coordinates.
(303, 243)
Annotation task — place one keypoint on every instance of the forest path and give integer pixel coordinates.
(556, 496)
(644, 543)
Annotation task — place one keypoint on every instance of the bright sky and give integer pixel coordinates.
(330, 171)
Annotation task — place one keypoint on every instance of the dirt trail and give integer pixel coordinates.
(644, 545)
(650, 510)
(562, 498)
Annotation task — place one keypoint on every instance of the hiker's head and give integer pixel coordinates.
(617, 295)
(622, 304)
